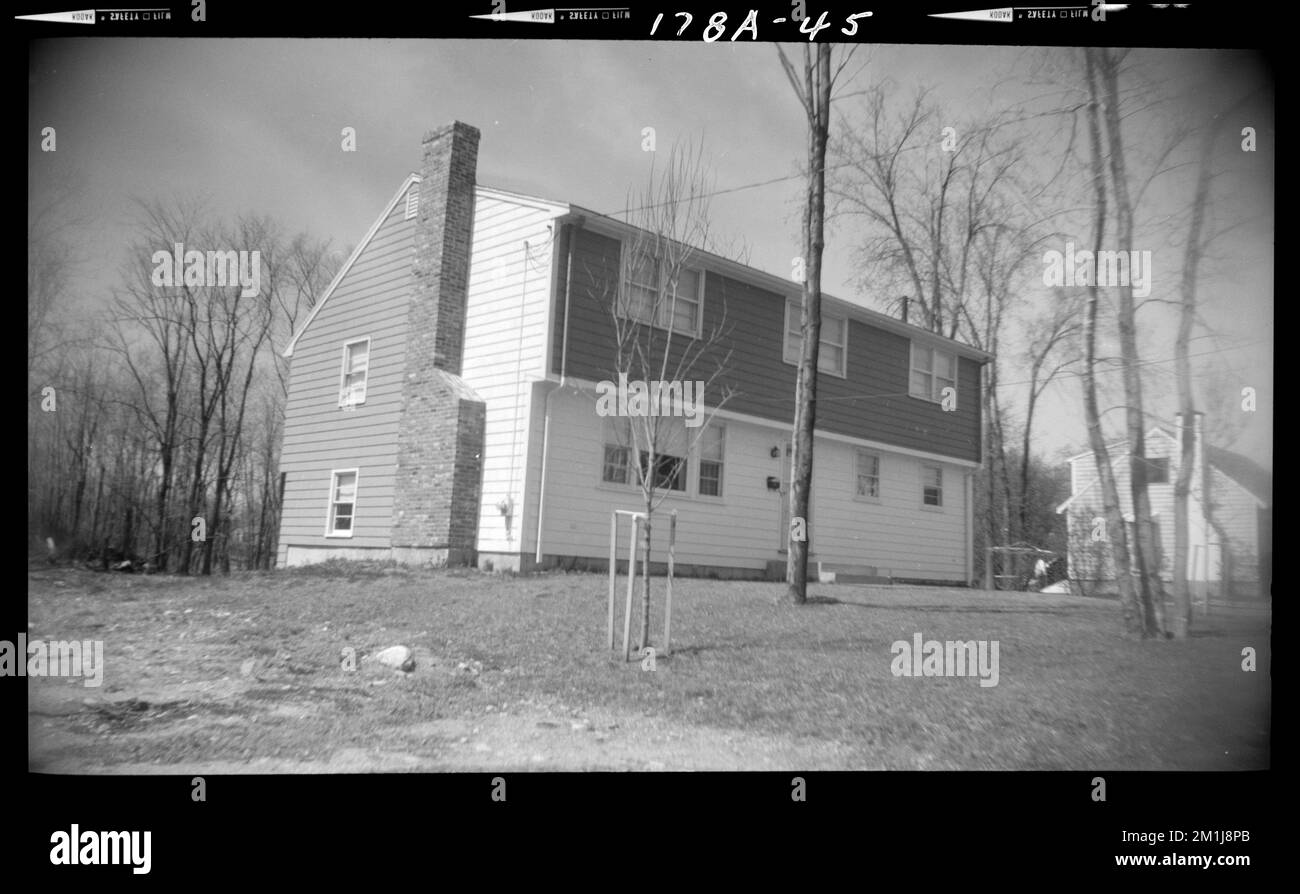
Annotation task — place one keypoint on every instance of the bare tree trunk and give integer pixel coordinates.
(1116, 536)
(1150, 588)
(1182, 615)
(645, 579)
(815, 95)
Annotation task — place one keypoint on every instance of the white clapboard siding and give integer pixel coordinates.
(896, 534)
(505, 340)
(1234, 508)
(319, 436)
(743, 528)
(504, 301)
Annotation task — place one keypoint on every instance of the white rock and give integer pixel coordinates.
(397, 656)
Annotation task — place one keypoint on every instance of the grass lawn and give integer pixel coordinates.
(243, 674)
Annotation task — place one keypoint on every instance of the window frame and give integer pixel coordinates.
(925, 485)
(721, 463)
(936, 390)
(610, 440)
(858, 455)
(343, 371)
(331, 518)
(626, 280)
(1152, 463)
(793, 312)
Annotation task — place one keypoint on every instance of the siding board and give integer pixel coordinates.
(871, 403)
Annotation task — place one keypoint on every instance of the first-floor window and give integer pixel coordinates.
(617, 468)
(670, 466)
(669, 470)
(932, 485)
(343, 502)
(712, 442)
(868, 475)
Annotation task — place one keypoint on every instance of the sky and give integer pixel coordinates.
(255, 126)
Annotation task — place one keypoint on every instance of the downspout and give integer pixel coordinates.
(546, 412)
(507, 505)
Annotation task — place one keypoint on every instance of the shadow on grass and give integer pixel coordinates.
(945, 609)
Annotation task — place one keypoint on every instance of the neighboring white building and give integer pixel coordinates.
(1229, 515)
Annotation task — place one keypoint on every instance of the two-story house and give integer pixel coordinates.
(1229, 514)
(443, 403)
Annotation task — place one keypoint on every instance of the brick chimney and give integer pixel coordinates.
(440, 433)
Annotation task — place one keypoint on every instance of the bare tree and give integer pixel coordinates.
(1046, 338)
(1116, 536)
(245, 323)
(662, 339)
(53, 225)
(1180, 624)
(813, 90)
(1150, 587)
(150, 337)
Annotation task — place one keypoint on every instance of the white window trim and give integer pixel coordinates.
(880, 466)
(691, 489)
(329, 504)
(699, 305)
(842, 372)
(699, 466)
(343, 370)
(927, 506)
(911, 367)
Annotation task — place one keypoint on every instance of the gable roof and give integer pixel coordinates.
(412, 179)
(352, 259)
(1122, 445)
(741, 271)
(1243, 470)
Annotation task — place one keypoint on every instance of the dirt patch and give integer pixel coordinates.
(260, 673)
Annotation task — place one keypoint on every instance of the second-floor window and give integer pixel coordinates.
(675, 305)
(356, 365)
(932, 371)
(834, 339)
